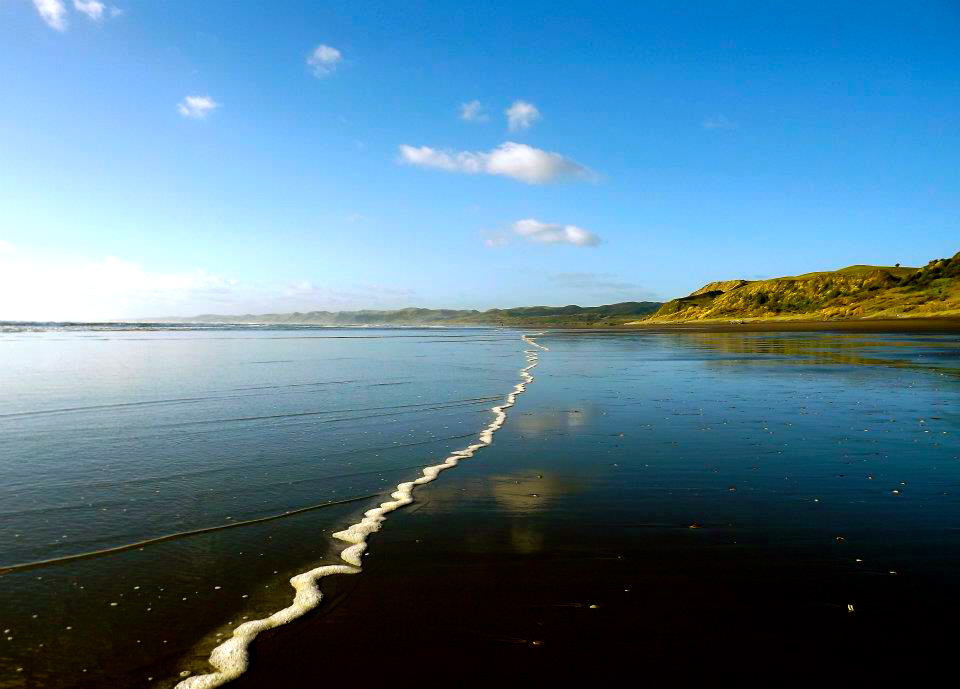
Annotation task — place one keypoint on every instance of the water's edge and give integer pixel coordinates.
(231, 658)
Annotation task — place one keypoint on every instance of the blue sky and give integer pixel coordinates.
(185, 157)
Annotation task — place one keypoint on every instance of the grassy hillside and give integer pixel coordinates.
(569, 316)
(854, 292)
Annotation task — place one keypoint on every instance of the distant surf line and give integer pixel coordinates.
(86, 555)
(172, 537)
(277, 337)
(231, 658)
(205, 398)
(173, 400)
(388, 411)
(148, 480)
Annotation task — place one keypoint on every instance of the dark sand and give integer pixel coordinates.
(505, 574)
(672, 604)
(866, 325)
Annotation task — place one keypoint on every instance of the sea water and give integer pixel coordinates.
(127, 455)
(837, 449)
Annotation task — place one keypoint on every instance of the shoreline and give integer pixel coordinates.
(587, 546)
(230, 659)
(933, 324)
(886, 325)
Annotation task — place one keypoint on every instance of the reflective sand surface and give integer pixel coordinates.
(731, 493)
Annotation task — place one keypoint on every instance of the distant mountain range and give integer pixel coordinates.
(855, 292)
(546, 316)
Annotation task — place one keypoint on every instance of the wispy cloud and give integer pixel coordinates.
(606, 286)
(532, 230)
(549, 233)
(592, 281)
(509, 159)
(323, 60)
(197, 107)
(93, 9)
(53, 12)
(718, 122)
(521, 115)
(494, 240)
(472, 111)
(6, 247)
(319, 297)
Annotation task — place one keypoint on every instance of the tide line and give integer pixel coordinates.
(140, 545)
(231, 658)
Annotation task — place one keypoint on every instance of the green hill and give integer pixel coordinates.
(571, 316)
(854, 292)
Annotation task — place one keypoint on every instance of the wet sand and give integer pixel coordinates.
(162, 487)
(659, 604)
(819, 469)
(866, 325)
(570, 553)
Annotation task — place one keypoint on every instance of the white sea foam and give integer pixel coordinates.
(231, 657)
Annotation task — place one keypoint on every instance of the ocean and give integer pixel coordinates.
(163, 485)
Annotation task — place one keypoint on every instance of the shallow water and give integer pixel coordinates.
(124, 438)
(835, 453)
(820, 473)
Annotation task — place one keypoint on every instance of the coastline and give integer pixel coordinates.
(587, 548)
(653, 484)
(933, 324)
(866, 325)
(230, 659)
(163, 542)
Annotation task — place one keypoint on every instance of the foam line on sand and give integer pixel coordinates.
(230, 659)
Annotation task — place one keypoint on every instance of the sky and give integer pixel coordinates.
(181, 157)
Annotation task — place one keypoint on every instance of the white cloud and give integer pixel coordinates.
(197, 107)
(521, 115)
(509, 159)
(548, 233)
(324, 60)
(473, 112)
(6, 247)
(718, 122)
(93, 9)
(53, 12)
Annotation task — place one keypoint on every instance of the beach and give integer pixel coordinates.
(693, 504)
(147, 515)
(862, 325)
(478, 345)
(522, 568)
